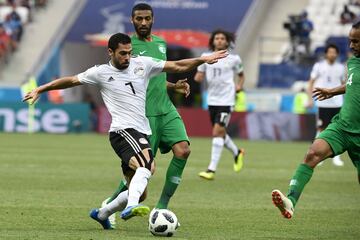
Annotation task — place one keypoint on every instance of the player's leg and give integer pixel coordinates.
(237, 152)
(137, 163)
(154, 142)
(337, 161)
(331, 141)
(219, 116)
(173, 137)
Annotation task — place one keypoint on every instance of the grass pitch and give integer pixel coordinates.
(48, 184)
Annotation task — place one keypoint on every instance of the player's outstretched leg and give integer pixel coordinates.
(174, 172)
(105, 223)
(121, 188)
(137, 187)
(318, 151)
(237, 153)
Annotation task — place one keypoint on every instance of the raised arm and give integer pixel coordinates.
(186, 65)
(325, 93)
(61, 83)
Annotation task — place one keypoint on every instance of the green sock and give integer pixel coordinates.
(299, 180)
(173, 178)
(122, 187)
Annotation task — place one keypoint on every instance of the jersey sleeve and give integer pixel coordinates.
(202, 67)
(238, 65)
(315, 72)
(154, 66)
(90, 76)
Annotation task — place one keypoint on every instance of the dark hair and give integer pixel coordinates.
(356, 25)
(142, 6)
(230, 38)
(116, 39)
(331, 45)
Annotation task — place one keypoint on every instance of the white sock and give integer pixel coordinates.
(118, 204)
(229, 144)
(137, 185)
(217, 146)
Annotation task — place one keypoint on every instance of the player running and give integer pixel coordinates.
(342, 134)
(123, 83)
(327, 74)
(168, 129)
(221, 99)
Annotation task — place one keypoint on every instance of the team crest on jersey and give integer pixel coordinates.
(139, 71)
(162, 49)
(143, 141)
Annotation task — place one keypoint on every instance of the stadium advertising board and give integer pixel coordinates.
(49, 118)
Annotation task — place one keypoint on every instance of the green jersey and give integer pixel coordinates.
(157, 99)
(349, 116)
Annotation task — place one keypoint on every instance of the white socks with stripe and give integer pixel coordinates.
(137, 185)
(217, 146)
(118, 204)
(229, 144)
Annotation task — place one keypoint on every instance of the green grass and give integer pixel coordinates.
(48, 184)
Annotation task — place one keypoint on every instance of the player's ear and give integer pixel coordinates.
(111, 52)
(131, 20)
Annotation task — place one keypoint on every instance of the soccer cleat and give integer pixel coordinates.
(104, 223)
(112, 217)
(239, 160)
(207, 175)
(137, 210)
(337, 161)
(284, 204)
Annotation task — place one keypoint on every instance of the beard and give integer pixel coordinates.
(120, 66)
(143, 32)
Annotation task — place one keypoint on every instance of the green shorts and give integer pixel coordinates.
(167, 130)
(341, 141)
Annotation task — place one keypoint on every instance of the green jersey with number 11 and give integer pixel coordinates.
(157, 99)
(349, 116)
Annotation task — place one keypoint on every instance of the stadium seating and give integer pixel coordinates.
(14, 16)
(325, 15)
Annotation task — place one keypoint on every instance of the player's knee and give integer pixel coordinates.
(183, 152)
(313, 157)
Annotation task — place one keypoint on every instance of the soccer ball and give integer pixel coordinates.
(163, 222)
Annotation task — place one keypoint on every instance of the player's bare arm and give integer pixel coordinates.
(61, 83)
(181, 86)
(325, 93)
(199, 76)
(240, 84)
(310, 90)
(186, 65)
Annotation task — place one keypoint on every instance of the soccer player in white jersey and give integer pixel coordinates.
(221, 98)
(123, 82)
(327, 73)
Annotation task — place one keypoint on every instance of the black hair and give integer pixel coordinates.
(116, 39)
(230, 38)
(356, 25)
(142, 6)
(331, 45)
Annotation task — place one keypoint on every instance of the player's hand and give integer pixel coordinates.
(322, 94)
(213, 58)
(182, 87)
(33, 96)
